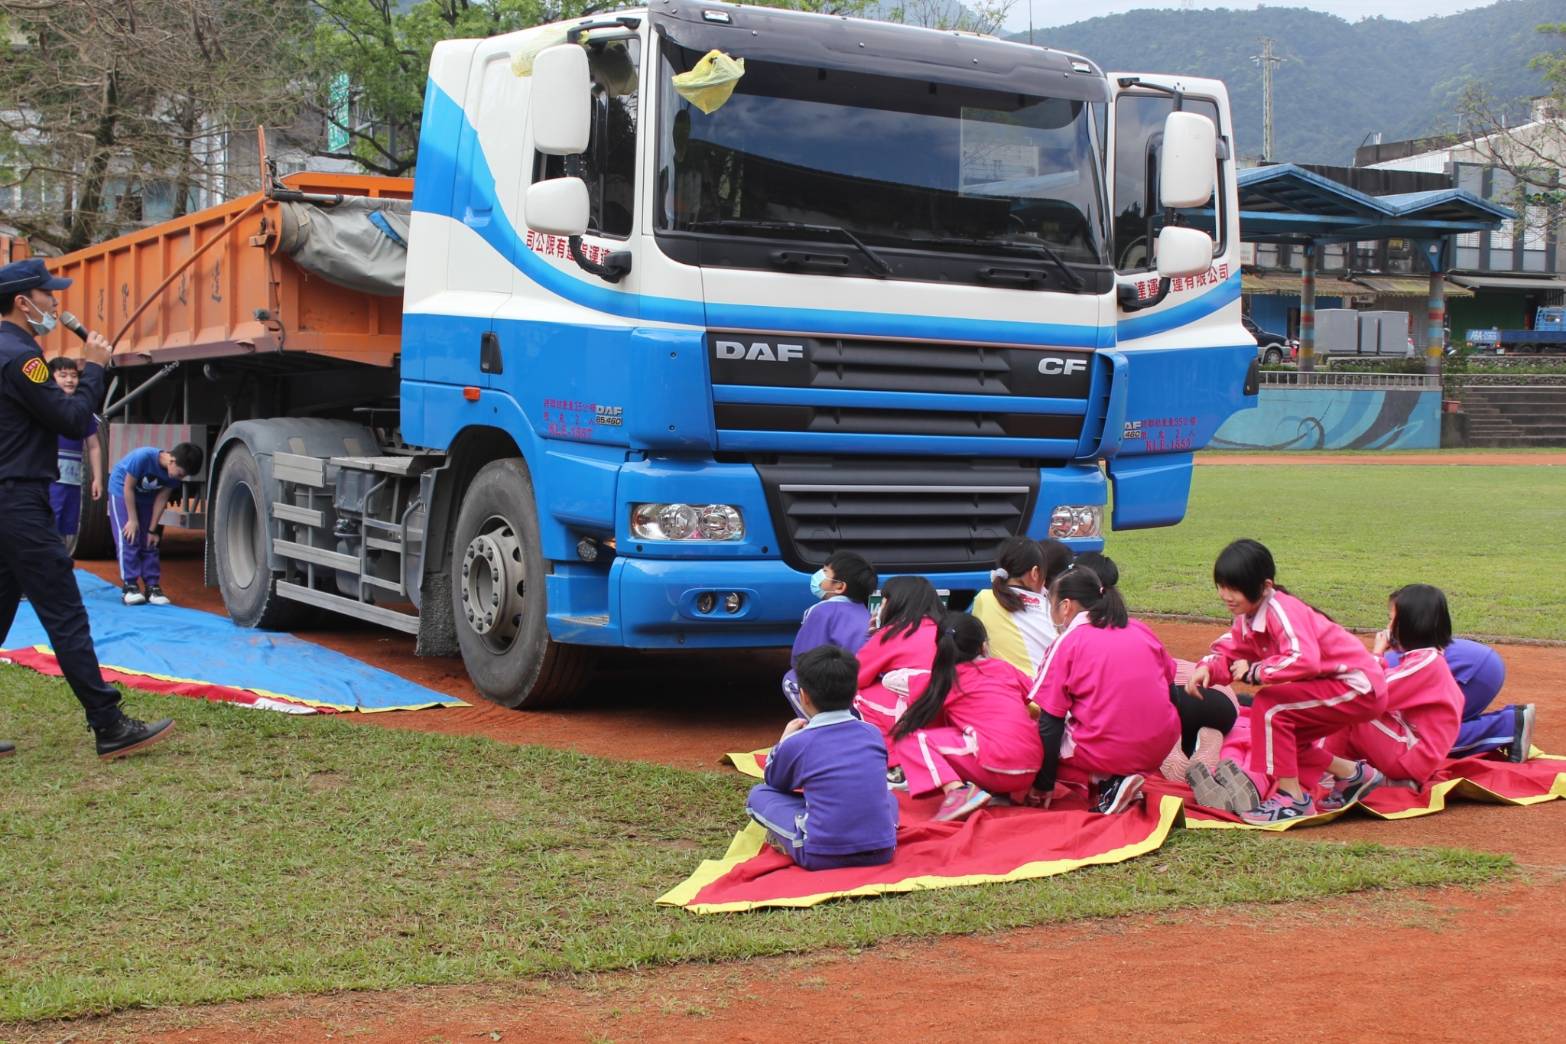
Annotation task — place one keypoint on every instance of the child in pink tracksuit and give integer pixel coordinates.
(989, 744)
(1316, 679)
(1424, 703)
(1110, 676)
(902, 647)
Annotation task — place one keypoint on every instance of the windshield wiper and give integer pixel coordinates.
(1033, 246)
(877, 262)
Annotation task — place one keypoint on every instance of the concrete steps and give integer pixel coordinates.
(1515, 415)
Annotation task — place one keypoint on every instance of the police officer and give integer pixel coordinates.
(34, 412)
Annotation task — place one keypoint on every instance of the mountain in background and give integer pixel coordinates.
(1342, 81)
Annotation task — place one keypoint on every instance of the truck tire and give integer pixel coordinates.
(93, 539)
(241, 524)
(498, 582)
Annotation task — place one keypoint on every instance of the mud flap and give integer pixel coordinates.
(1149, 490)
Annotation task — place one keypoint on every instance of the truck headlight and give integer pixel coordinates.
(686, 522)
(1076, 520)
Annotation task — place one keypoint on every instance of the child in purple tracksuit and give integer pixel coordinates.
(825, 802)
(139, 489)
(65, 495)
(840, 618)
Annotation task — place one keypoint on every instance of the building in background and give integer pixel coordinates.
(1520, 266)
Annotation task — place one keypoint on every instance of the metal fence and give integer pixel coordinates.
(1349, 381)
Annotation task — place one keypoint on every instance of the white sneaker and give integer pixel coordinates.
(133, 596)
(156, 596)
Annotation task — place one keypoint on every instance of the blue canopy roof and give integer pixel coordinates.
(1287, 203)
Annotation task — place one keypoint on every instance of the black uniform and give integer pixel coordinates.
(34, 413)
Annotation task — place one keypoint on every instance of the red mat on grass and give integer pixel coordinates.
(997, 844)
(1013, 844)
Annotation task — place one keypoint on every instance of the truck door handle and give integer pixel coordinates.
(489, 353)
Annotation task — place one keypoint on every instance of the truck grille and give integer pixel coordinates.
(899, 515)
(864, 387)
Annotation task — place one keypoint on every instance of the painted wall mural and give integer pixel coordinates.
(1335, 418)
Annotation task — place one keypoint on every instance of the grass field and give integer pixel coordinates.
(257, 854)
(1494, 538)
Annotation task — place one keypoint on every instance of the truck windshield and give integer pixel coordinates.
(902, 165)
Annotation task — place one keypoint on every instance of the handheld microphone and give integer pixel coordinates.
(73, 324)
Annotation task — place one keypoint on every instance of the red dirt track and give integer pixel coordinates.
(1388, 963)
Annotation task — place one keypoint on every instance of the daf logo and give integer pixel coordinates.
(1052, 365)
(759, 351)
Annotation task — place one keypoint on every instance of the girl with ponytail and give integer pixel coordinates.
(1111, 675)
(1014, 610)
(969, 733)
(895, 662)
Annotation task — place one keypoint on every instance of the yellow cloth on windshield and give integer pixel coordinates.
(711, 81)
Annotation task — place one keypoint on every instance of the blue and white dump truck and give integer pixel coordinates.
(694, 296)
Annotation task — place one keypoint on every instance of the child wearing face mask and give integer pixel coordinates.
(840, 617)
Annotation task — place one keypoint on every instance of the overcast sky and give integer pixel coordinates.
(1063, 12)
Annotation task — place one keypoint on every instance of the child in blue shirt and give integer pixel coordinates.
(825, 802)
(140, 487)
(840, 618)
(65, 495)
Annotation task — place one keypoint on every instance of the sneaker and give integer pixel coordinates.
(1280, 808)
(132, 595)
(1522, 746)
(7, 748)
(962, 802)
(129, 736)
(1117, 793)
(1347, 791)
(156, 596)
(1229, 788)
(895, 779)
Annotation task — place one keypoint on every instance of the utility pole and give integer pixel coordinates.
(1267, 60)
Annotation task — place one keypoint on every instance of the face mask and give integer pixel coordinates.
(46, 323)
(818, 582)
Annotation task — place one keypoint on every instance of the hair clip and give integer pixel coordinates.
(999, 574)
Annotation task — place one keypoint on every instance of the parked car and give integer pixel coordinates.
(1270, 347)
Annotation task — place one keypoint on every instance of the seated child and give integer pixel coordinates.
(1014, 610)
(1205, 719)
(899, 651)
(1111, 675)
(840, 618)
(140, 487)
(1480, 673)
(1316, 679)
(989, 744)
(825, 802)
(65, 495)
(1424, 705)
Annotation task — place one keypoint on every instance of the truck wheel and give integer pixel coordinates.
(241, 524)
(92, 539)
(498, 595)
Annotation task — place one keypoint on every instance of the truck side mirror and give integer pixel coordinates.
(1186, 168)
(560, 102)
(1183, 251)
(557, 206)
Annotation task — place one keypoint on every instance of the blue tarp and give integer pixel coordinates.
(173, 643)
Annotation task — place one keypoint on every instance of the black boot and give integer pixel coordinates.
(7, 748)
(127, 736)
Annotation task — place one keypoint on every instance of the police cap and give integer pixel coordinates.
(31, 274)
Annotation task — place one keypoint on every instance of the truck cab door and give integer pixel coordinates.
(1140, 103)
(1187, 354)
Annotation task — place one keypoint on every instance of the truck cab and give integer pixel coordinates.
(676, 339)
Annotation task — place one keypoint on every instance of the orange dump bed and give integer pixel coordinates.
(239, 297)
